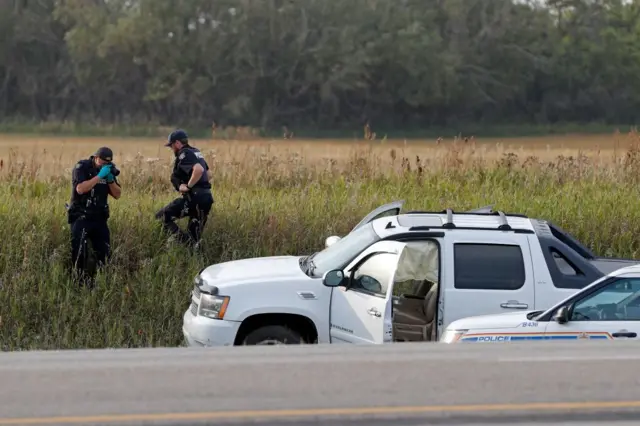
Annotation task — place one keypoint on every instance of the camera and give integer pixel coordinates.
(114, 171)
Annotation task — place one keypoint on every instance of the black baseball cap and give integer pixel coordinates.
(177, 135)
(104, 153)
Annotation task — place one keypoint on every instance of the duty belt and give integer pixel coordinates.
(198, 191)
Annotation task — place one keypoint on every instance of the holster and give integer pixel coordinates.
(176, 182)
(73, 215)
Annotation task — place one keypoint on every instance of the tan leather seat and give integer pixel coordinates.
(421, 288)
(430, 311)
(414, 316)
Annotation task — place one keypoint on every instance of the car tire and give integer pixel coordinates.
(273, 335)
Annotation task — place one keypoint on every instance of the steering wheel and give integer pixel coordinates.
(577, 315)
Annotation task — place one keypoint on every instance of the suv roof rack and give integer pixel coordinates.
(504, 223)
(449, 224)
(483, 211)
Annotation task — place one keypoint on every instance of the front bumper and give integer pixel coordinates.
(203, 332)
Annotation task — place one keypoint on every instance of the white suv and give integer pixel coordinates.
(394, 277)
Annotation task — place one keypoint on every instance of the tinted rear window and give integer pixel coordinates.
(488, 266)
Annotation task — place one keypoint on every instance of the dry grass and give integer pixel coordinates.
(272, 197)
(55, 155)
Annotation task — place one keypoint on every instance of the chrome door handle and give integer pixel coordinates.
(374, 312)
(514, 304)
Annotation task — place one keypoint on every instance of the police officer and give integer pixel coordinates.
(192, 178)
(93, 181)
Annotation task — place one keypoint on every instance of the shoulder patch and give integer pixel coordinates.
(78, 165)
(181, 157)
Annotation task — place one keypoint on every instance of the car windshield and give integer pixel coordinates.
(340, 252)
(621, 291)
(613, 293)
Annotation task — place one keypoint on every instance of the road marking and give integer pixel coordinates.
(572, 359)
(362, 411)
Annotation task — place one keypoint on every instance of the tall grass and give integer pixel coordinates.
(271, 199)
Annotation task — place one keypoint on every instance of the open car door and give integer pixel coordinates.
(358, 302)
(412, 298)
(390, 209)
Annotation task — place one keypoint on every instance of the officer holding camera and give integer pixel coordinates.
(191, 178)
(93, 180)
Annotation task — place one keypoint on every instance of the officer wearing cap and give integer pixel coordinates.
(192, 178)
(93, 180)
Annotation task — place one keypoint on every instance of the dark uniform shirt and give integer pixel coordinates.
(92, 204)
(186, 158)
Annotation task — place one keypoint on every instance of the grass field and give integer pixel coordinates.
(272, 197)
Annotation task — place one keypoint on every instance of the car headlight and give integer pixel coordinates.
(452, 336)
(213, 306)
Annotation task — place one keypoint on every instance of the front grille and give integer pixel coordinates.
(196, 292)
(194, 309)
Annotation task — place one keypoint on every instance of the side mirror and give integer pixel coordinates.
(334, 278)
(562, 315)
(331, 240)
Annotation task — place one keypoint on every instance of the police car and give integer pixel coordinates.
(607, 309)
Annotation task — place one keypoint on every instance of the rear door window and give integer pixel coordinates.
(488, 266)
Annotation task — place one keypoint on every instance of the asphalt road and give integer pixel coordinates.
(403, 384)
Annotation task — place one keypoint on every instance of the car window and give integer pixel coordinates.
(564, 266)
(617, 301)
(344, 250)
(374, 274)
(488, 266)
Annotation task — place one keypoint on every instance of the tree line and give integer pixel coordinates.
(320, 63)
